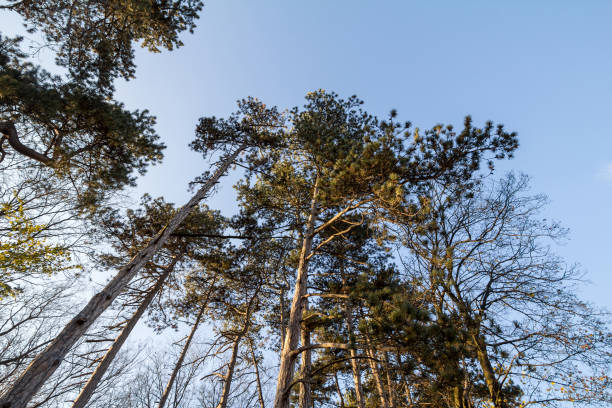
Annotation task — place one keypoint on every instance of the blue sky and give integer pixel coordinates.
(542, 68)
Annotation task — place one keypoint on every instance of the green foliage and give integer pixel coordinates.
(83, 136)
(95, 39)
(24, 254)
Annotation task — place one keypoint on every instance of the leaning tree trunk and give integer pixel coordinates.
(179, 362)
(230, 374)
(338, 390)
(87, 391)
(43, 366)
(305, 396)
(287, 359)
(257, 376)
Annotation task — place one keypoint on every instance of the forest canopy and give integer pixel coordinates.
(369, 262)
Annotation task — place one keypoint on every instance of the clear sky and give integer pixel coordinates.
(543, 68)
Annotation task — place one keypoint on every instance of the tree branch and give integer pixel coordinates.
(10, 133)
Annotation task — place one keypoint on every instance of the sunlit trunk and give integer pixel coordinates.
(257, 376)
(372, 360)
(91, 385)
(390, 392)
(305, 396)
(227, 383)
(348, 315)
(287, 359)
(43, 366)
(493, 385)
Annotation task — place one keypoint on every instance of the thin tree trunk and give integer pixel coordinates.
(43, 366)
(230, 373)
(287, 359)
(458, 397)
(179, 362)
(338, 390)
(96, 376)
(376, 374)
(283, 323)
(390, 392)
(257, 376)
(404, 380)
(305, 397)
(354, 363)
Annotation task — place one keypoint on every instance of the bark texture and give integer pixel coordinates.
(287, 360)
(43, 366)
(305, 397)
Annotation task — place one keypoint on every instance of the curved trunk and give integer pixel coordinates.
(91, 385)
(10, 133)
(287, 359)
(45, 364)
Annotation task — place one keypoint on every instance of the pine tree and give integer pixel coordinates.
(253, 127)
(337, 162)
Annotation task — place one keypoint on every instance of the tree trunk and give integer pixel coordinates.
(305, 397)
(407, 401)
(43, 366)
(257, 376)
(458, 397)
(338, 390)
(390, 392)
(377, 379)
(10, 133)
(283, 323)
(230, 373)
(489, 374)
(94, 380)
(179, 362)
(287, 359)
(354, 363)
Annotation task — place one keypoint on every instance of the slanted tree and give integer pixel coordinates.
(254, 127)
(65, 143)
(131, 233)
